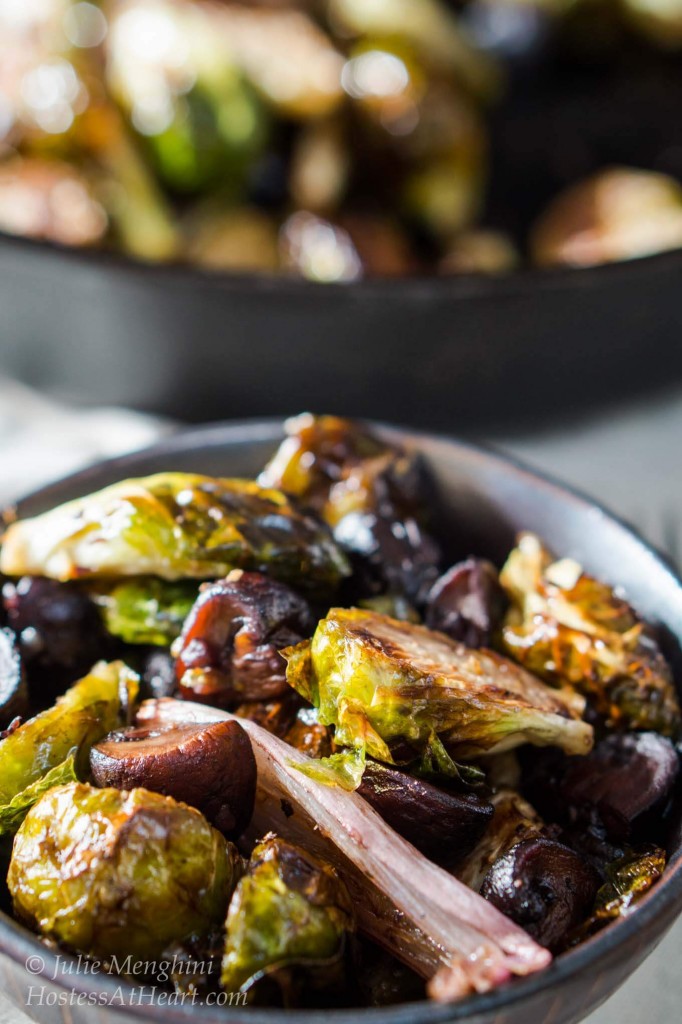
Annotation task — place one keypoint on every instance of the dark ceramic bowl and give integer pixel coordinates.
(484, 500)
(469, 354)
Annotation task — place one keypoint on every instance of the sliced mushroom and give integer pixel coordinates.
(443, 824)
(211, 767)
(229, 648)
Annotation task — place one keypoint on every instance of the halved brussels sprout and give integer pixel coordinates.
(574, 631)
(114, 873)
(175, 525)
(628, 879)
(289, 908)
(146, 610)
(382, 682)
(48, 749)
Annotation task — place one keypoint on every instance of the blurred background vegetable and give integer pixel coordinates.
(332, 140)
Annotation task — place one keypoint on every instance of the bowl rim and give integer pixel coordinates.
(19, 945)
(456, 286)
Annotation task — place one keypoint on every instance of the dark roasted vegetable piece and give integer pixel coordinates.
(543, 886)
(308, 734)
(210, 767)
(289, 908)
(443, 824)
(369, 491)
(572, 630)
(467, 603)
(13, 691)
(628, 879)
(230, 644)
(59, 630)
(383, 980)
(276, 716)
(110, 873)
(626, 781)
(158, 673)
(513, 821)
(48, 749)
(175, 526)
(380, 682)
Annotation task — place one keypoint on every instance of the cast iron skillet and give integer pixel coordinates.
(484, 500)
(470, 354)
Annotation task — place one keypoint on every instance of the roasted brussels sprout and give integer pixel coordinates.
(13, 691)
(369, 491)
(44, 750)
(112, 873)
(289, 908)
(200, 118)
(210, 767)
(230, 644)
(381, 682)
(571, 630)
(467, 603)
(175, 525)
(619, 214)
(146, 610)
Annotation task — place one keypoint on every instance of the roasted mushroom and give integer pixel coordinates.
(467, 603)
(230, 644)
(543, 886)
(210, 767)
(444, 824)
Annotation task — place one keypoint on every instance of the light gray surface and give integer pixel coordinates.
(630, 460)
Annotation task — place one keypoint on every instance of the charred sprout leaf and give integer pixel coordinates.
(393, 887)
(82, 716)
(230, 644)
(572, 630)
(146, 610)
(289, 908)
(111, 873)
(369, 491)
(381, 682)
(175, 525)
(13, 813)
(13, 691)
(436, 763)
(628, 880)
